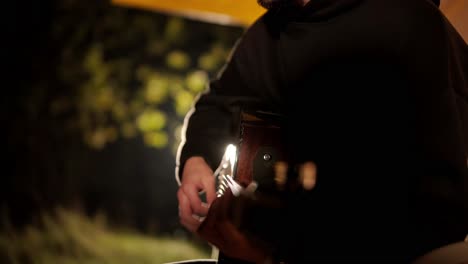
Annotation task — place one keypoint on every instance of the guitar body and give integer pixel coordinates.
(258, 149)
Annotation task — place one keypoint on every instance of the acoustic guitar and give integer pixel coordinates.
(249, 167)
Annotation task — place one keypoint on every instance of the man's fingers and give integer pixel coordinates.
(209, 187)
(186, 214)
(198, 207)
(190, 225)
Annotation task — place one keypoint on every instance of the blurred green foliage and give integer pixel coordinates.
(68, 237)
(91, 76)
(126, 73)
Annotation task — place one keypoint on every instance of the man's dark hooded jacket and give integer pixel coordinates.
(376, 94)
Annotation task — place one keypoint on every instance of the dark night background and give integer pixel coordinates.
(93, 99)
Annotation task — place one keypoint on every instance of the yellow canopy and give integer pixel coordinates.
(226, 12)
(244, 12)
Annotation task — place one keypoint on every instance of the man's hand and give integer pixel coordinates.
(197, 176)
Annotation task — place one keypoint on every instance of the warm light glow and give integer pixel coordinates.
(245, 12)
(457, 12)
(225, 172)
(226, 12)
(308, 175)
(231, 152)
(281, 173)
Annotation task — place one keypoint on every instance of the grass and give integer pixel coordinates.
(71, 238)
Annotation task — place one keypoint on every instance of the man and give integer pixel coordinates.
(376, 95)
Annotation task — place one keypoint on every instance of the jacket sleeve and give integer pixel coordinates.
(212, 122)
